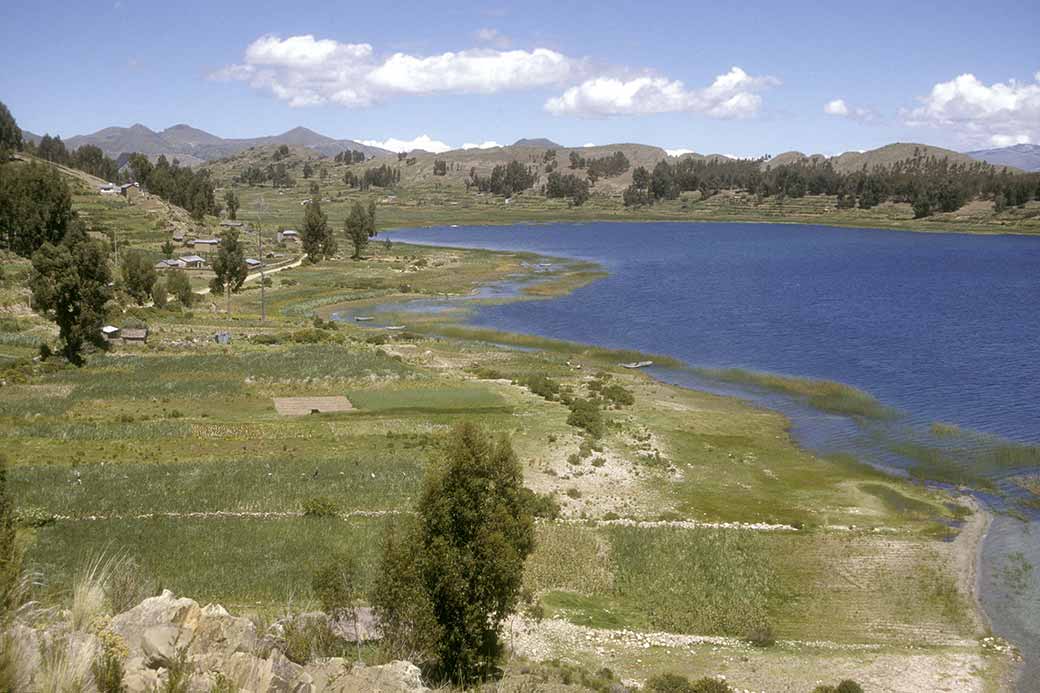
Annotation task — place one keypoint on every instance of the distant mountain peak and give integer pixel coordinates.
(537, 142)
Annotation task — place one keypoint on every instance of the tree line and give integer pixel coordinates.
(505, 179)
(930, 184)
(350, 156)
(179, 185)
(602, 167)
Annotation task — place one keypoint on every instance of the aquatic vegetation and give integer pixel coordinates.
(825, 395)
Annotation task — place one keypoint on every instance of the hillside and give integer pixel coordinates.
(882, 156)
(1023, 156)
(193, 146)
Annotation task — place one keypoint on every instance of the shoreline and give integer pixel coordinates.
(748, 220)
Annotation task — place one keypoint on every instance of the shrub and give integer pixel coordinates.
(673, 683)
(585, 414)
(311, 638)
(618, 394)
(266, 339)
(846, 686)
(542, 386)
(159, 294)
(573, 493)
(127, 585)
(761, 636)
(542, 505)
(108, 672)
(320, 506)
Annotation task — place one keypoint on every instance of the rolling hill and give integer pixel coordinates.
(193, 146)
(882, 156)
(1023, 156)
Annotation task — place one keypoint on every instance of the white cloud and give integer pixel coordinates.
(980, 113)
(424, 142)
(489, 144)
(493, 37)
(677, 152)
(731, 95)
(589, 144)
(304, 71)
(838, 107)
(1009, 140)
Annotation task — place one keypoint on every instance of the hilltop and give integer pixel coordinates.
(193, 146)
(882, 156)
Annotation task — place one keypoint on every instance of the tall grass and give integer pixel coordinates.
(825, 395)
(66, 666)
(103, 586)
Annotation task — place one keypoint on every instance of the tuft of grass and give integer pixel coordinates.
(66, 664)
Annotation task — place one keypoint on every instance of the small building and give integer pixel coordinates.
(193, 261)
(178, 236)
(289, 235)
(135, 335)
(110, 332)
(170, 263)
(253, 263)
(109, 189)
(124, 189)
(205, 242)
(227, 223)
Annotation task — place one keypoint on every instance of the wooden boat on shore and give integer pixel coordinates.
(394, 327)
(637, 364)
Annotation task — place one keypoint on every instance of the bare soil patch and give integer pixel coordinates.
(301, 406)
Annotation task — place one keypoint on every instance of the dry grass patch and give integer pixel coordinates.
(301, 406)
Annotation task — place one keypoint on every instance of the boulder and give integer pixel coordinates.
(338, 675)
(166, 609)
(160, 645)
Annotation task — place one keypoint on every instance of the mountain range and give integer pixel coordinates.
(193, 146)
(1023, 156)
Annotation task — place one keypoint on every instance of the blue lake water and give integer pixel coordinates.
(943, 327)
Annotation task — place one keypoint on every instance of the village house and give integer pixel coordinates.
(253, 263)
(205, 243)
(126, 335)
(193, 261)
(170, 263)
(231, 224)
(288, 235)
(109, 189)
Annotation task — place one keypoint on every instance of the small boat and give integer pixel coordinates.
(363, 318)
(394, 327)
(637, 364)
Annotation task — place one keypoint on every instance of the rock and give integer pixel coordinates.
(217, 631)
(141, 681)
(285, 674)
(338, 675)
(160, 645)
(166, 609)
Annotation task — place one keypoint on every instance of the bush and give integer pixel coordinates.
(306, 639)
(159, 294)
(761, 636)
(542, 386)
(33, 516)
(846, 686)
(618, 394)
(542, 505)
(108, 672)
(320, 506)
(266, 339)
(673, 683)
(585, 414)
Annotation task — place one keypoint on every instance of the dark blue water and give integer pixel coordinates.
(945, 327)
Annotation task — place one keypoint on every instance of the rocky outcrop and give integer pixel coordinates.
(166, 636)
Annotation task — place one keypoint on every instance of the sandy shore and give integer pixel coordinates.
(967, 553)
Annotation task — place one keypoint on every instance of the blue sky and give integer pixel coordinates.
(742, 78)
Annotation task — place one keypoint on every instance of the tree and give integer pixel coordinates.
(139, 276)
(10, 134)
(231, 203)
(70, 284)
(361, 227)
(167, 248)
(179, 285)
(460, 567)
(308, 170)
(316, 236)
(229, 269)
(159, 294)
(35, 207)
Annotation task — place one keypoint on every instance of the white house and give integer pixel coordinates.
(288, 235)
